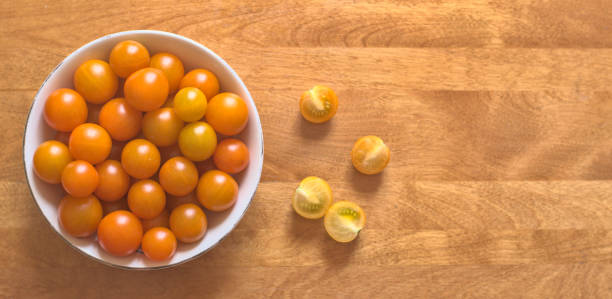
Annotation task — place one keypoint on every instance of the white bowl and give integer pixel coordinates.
(193, 55)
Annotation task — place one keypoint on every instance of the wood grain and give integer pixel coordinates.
(497, 113)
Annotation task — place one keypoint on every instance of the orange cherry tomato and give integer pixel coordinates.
(370, 155)
(140, 158)
(120, 233)
(319, 104)
(80, 216)
(65, 109)
(146, 199)
(231, 155)
(190, 104)
(227, 113)
(174, 201)
(111, 206)
(202, 79)
(90, 142)
(95, 81)
(178, 176)
(146, 89)
(188, 223)
(114, 181)
(217, 191)
(161, 220)
(120, 120)
(127, 57)
(197, 141)
(80, 179)
(159, 244)
(162, 126)
(50, 159)
(172, 68)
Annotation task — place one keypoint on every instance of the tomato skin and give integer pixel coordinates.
(227, 113)
(159, 244)
(120, 120)
(80, 216)
(50, 159)
(231, 156)
(95, 81)
(140, 158)
(146, 199)
(172, 68)
(90, 142)
(146, 89)
(178, 176)
(202, 79)
(197, 141)
(190, 104)
(114, 181)
(127, 57)
(162, 126)
(65, 109)
(161, 220)
(217, 191)
(188, 223)
(120, 233)
(79, 178)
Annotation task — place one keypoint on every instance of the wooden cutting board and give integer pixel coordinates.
(498, 115)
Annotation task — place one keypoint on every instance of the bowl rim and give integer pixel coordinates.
(201, 47)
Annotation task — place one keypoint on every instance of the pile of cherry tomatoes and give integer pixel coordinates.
(130, 157)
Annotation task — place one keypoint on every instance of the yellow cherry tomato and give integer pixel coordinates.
(370, 155)
(312, 198)
(319, 104)
(190, 104)
(197, 141)
(50, 159)
(344, 220)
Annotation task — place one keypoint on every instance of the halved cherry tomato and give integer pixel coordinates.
(90, 142)
(162, 126)
(217, 191)
(231, 156)
(50, 159)
(140, 158)
(370, 155)
(202, 79)
(79, 178)
(159, 244)
(65, 109)
(178, 176)
(114, 181)
(127, 57)
(146, 89)
(146, 199)
(172, 68)
(120, 233)
(227, 113)
(319, 104)
(188, 223)
(161, 220)
(197, 141)
(190, 104)
(120, 120)
(95, 81)
(80, 216)
(344, 220)
(312, 198)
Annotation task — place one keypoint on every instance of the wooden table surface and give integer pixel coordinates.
(498, 116)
